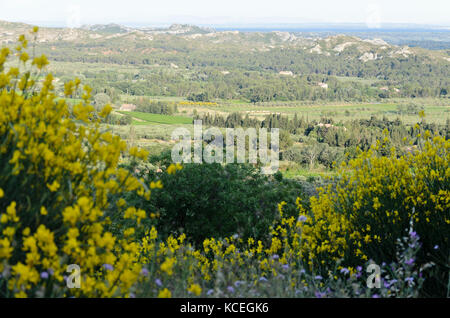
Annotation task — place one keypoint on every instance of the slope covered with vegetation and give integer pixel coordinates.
(73, 193)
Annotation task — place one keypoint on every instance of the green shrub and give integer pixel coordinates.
(211, 200)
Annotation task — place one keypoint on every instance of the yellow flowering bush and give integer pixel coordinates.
(233, 267)
(379, 199)
(59, 188)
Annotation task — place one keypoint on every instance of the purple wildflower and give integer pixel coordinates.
(409, 261)
(230, 289)
(285, 267)
(318, 277)
(108, 267)
(238, 283)
(319, 294)
(144, 272)
(158, 282)
(345, 271)
(44, 275)
(302, 218)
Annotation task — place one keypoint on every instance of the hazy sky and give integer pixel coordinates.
(151, 12)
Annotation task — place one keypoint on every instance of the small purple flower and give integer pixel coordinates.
(238, 283)
(318, 277)
(345, 271)
(302, 271)
(158, 282)
(285, 267)
(386, 284)
(409, 279)
(230, 289)
(275, 256)
(319, 294)
(263, 279)
(210, 292)
(144, 272)
(44, 275)
(375, 296)
(302, 218)
(359, 271)
(409, 261)
(132, 295)
(51, 271)
(108, 267)
(436, 247)
(413, 234)
(392, 282)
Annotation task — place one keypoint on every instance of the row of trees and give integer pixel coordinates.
(325, 141)
(146, 105)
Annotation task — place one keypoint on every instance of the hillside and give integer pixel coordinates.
(253, 66)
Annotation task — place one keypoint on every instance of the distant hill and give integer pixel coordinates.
(184, 59)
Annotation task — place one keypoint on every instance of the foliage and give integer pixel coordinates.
(374, 202)
(58, 181)
(212, 200)
(234, 267)
(146, 105)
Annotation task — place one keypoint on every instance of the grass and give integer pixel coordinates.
(437, 111)
(145, 118)
(304, 171)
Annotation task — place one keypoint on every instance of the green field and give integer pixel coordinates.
(436, 111)
(146, 118)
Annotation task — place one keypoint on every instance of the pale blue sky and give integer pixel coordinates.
(214, 12)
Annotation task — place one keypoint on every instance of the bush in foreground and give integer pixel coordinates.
(58, 183)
